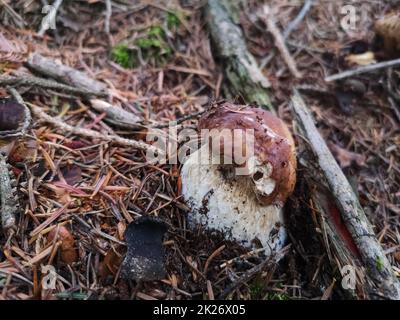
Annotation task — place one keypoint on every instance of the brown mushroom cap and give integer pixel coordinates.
(273, 144)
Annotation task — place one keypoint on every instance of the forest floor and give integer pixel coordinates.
(157, 60)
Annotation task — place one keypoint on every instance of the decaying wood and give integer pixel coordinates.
(240, 67)
(27, 81)
(9, 202)
(65, 74)
(377, 266)
(117, 116)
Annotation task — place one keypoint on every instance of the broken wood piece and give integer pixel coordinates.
(65, 74)
(378, 268)
(8, 196)
(117, 116)
(241, 68)
(27, 80)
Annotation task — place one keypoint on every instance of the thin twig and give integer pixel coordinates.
(250, 273)
(363, 69)
(50, 17)
(289, 29)
(108, 16)
(300, 16)
(43, 116)
(279, 41)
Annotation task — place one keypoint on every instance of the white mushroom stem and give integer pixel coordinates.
(229, 205)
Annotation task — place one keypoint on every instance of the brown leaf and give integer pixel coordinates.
(110, 264)
(69, 253)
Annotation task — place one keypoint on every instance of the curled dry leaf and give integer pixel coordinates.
(69, 253)
(388, 28)
(111, 263)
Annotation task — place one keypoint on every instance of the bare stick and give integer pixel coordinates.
(279, 41)
(289, 29)
(108, 16)
(377, 265)
(363, 69)
(43, 116)
(26, 80)
(8, 198)
(65, 74)
(117, 116)
(292, 25)
(49, 20)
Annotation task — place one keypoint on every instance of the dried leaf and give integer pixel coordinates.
(69, 253)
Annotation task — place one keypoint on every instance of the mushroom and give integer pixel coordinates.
(242, 199)
(14, 121)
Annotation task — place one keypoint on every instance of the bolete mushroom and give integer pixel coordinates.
(14, 121)
(234, 191)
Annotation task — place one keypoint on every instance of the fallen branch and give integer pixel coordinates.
(44, 117)
(363, 69)
(289, 29)
(372, 255)
(26, 80)
(300, 16)
(241, 68)
(117, 116)
(8, 198)
(65, 74)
